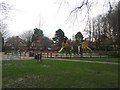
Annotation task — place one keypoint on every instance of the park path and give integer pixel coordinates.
(90, 61)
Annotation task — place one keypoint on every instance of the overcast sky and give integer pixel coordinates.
(30, 14)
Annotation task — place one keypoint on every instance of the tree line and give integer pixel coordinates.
(35, 40)
(103, 30)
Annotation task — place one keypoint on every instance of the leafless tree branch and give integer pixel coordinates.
(4, 11)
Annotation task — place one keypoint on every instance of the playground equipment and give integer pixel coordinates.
(64, 45)
(83, 46)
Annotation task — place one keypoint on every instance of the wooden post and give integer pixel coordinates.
(47, 54)
(40, 57)
(50, 55)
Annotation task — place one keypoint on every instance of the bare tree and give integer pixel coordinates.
(27, 37)
(83, 8)
(4, 10)
(3, 31)
(4, 13)
(14, 42)
(106, 26)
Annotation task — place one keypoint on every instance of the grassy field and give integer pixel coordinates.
(58, 74)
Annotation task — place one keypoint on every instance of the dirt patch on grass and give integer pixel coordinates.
(22, 82)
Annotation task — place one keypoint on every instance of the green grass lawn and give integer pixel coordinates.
(102, 59)
(58, 74)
